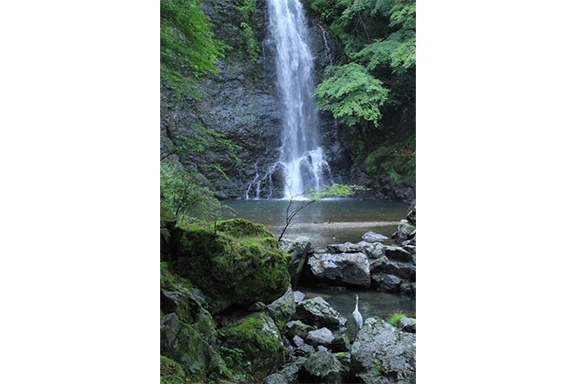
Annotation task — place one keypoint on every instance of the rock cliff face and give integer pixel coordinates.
(243, 105)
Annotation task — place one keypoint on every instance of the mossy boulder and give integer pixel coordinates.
(171, 372)
(237, 263)
(182, 343)
(257, 341)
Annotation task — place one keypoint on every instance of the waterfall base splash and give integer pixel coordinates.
(291, 180)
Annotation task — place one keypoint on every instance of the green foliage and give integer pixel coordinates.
(376, 77)
(325, 8)
(396, 162)
(394, 318)
(199, 141)
(247, 8)
(335, 190)
(351, 94)
(252, 47)
(398, 51)
(183, 196)
(188, 49)
(234, 359)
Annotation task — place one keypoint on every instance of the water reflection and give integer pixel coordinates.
(326, 222)
(370, 303)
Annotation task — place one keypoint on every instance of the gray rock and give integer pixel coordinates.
(302, 349)
(276, 378)
(402, 270)
(298, 250)
(318, 312)
(283, 307)
(405, 231)
(382, 354)
(298, 296)
(297, 328)
(289, 373)
(373, 237)
(341, 268)
(398, 253)
(408, 324)
(324, 366)
(375, 250)
(346, 247)
(386, 283)
(322, 336)
(341, 343)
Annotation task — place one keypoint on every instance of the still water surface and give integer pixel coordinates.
(328, 221)
(370, 303)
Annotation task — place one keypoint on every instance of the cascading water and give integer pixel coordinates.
(301, 155)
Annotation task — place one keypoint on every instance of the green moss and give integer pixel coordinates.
(238, 263)
(167, 279)
(243, 228)
(171, 372)
(256, 345)
(377, 369)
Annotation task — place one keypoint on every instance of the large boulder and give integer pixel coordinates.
(239, 263)
(382, 354)
(351, 269)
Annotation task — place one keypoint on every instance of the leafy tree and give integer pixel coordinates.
(379, 40)
(188, 49)
(351, 94)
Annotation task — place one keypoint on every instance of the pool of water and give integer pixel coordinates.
(325, 222)
(370, 303)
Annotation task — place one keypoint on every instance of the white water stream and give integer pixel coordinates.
(301, 154)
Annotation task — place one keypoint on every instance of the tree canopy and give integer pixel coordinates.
(378, 70)
(352, 94)
(188, 49)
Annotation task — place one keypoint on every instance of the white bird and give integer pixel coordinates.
(357, 316)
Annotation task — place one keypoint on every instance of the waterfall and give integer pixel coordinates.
(301, 154)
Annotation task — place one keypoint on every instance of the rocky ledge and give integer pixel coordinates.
(368, 264)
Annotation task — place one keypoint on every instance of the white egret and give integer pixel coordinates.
(357, 316)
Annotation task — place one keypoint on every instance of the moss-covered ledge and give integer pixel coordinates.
(236, 263)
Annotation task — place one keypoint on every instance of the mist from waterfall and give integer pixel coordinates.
(301, 155)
